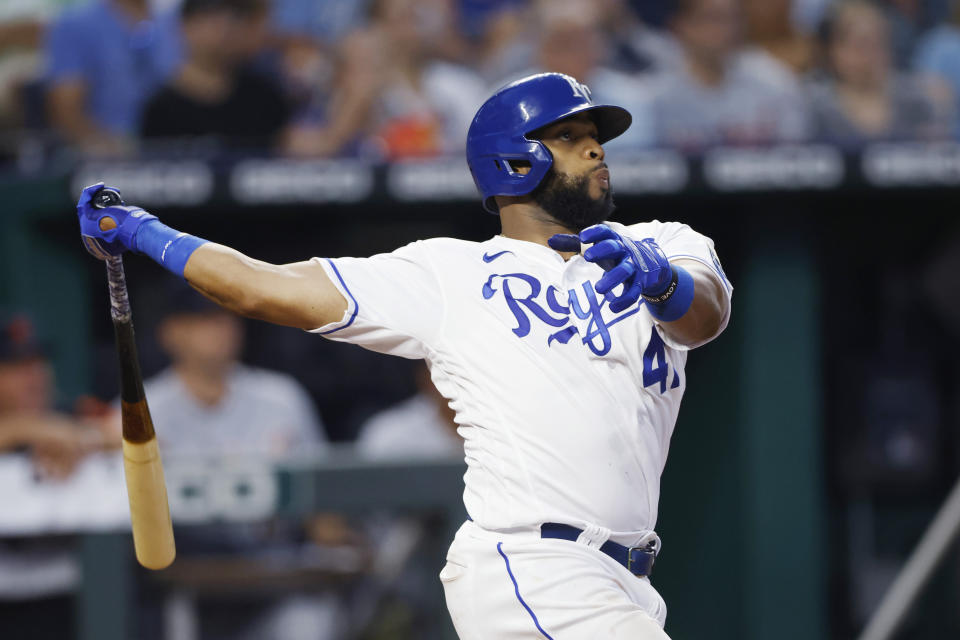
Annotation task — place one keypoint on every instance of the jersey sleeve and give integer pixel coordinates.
(679, 241)
(394, 301)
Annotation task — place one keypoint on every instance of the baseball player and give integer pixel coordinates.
(560, 344)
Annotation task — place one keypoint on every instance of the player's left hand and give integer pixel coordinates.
(113, 238)
(641, 267)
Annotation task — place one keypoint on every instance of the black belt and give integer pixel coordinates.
(637, 560)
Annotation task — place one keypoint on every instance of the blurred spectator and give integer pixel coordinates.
(636, 47)
(420, 427)
(37, 575)
(938, 53)
(570, 41)
(306, 73)
(329, 21)
(334, 121)
(477, 14)
(515, 36)
(908, 20)
(208, 404)
(440, 27)
(309, 35)
(508, 39)
(862, 97)
(324, 20)
(215, 94)
(207, 401)
(425, 105)
(656, 14)
(28, 420)
(327, 73)
(903, 26)
(21, 34)
(770, 28)
(724, 95)
(410, 103)
(391, 95)
(808, 14)
(104, 60)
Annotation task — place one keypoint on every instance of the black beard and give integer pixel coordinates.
(567, 200)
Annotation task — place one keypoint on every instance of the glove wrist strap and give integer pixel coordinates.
(675, 300)
(667, 292)
(168, 247)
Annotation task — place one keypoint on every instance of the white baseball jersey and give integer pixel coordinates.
(566, 408)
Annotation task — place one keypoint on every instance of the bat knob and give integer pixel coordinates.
(104, 198)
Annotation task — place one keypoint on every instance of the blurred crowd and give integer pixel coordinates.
(209, 408)
(388, 79)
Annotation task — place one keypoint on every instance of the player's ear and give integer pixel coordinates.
(521, 166)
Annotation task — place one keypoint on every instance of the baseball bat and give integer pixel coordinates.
(146, 489)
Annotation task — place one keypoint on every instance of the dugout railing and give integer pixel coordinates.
(294, 490)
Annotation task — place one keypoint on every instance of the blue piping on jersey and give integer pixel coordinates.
(356, 307)
(516, 590)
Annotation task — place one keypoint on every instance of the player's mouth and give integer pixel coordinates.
(603, 177)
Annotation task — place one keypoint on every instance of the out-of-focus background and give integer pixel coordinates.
(315, 486)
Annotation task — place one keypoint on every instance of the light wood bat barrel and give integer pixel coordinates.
(149, 511)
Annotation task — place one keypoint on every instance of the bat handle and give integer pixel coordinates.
(119, 299)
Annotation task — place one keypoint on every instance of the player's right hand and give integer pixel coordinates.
(640, 266)
(109, 231)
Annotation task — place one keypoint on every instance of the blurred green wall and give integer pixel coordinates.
(742, 509)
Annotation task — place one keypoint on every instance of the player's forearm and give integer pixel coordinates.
(705, 316)
(296, 295)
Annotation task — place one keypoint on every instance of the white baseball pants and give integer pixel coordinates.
(518, 586)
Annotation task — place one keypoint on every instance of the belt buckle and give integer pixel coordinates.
(644, 555)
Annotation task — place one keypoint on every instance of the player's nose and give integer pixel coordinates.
(593, 150)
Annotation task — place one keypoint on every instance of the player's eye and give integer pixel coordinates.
(565, 135)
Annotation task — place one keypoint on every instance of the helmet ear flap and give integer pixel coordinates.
(513, 166)
(508, 180)
(536, 156)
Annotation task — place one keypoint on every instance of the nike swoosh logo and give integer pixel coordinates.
(487, 257)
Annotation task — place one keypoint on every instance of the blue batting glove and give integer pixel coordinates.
(641, 267)
(114, 241)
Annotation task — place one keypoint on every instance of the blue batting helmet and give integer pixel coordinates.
(498, 134)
